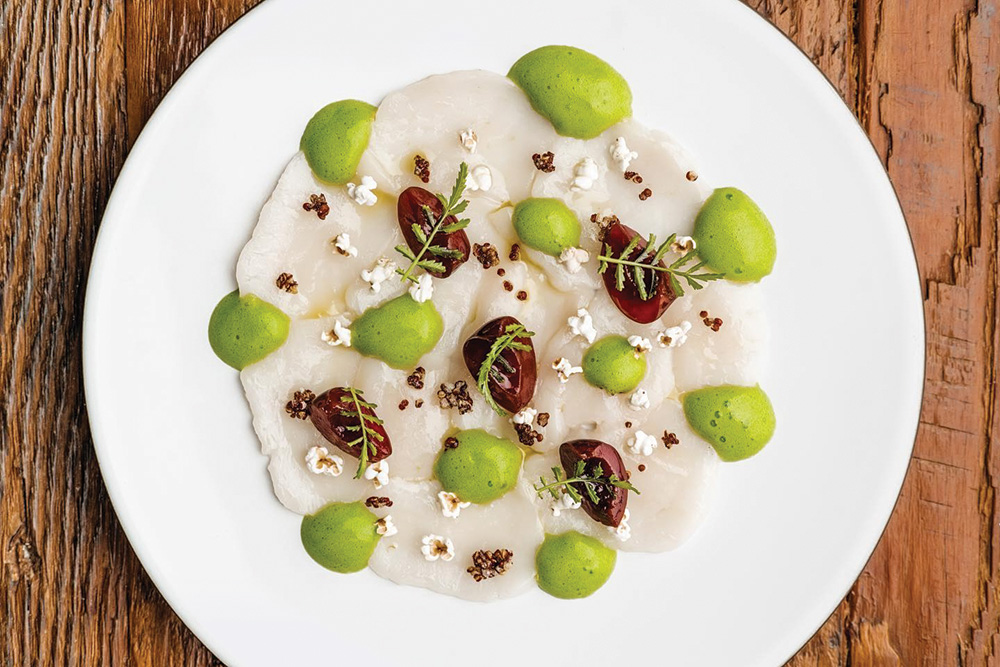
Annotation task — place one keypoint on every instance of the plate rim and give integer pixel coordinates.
(156, 119)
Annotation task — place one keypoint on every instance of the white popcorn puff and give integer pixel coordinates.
(642, 443)
(363, 193)
(525, 416)
(383, 270)
(624, 530)
(639, 400)
(562, 503)
(583, 325)
(321, 462)
(435, 546)
(342, 243)
(565, 369)
(469, 139)
(574, 259)
(674, 336)
(621, 155)
(338, 335)
(378, 473)
(423, 289)
(641, 345)
(480, 178)
(683, 244)
(385, 527)
(451, 506)
(585, 173)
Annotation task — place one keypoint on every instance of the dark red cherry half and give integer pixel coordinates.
(617, 236)
(513, 375)
(610, 510)
(329, 413)
(409, 211)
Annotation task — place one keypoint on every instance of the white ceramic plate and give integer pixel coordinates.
(791, 528)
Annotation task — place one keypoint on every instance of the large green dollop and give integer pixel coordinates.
(341, 536)
(480, 467)
(245, 329)
(734, 236)
(546, 224)
(335, 138)
(736, 421)
(398, 332)
(572, 565)
(579, 93)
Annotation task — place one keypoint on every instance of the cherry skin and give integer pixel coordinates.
(326, 412)
(513, 376)
(612, 500)
(409, 212)
(617, 236)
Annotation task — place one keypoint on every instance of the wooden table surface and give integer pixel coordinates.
(79, 79)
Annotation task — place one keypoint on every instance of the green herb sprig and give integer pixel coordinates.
(487, 370)
(648, 264)
(591, 482)
(453, 205)
(367, 435)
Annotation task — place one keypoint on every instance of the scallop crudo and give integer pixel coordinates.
(494, 330)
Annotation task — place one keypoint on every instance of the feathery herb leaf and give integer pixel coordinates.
(646, 267)
(486, 370)
(369, 436)
(591, 482)
(452, 205)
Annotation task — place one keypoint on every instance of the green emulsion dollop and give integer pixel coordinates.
(580, 94)
(734, 236)
(613, 365)
(481, 468)
(399, 331)
(547, 225)
(244, 329)
(341, 536)
(335, 137)
(571, 565)
(736, 421)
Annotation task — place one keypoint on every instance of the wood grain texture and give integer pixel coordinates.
(81, 77)
(79, 80)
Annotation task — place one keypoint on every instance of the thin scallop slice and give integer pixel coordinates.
(538, 470)
(453, 296)
(522, 291)
(671, 208)
(561, 183)
(660, 380)
(675, 488)
(304, 362)
(735, 354)
(510, 523)
(576, 402)
(428, 117)
(416, 433)
(290, 240)
(663, 166)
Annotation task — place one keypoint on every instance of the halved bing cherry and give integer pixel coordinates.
(333, 413)
(513, 375)
(612, 500)
(617, 236)
(409, 212)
